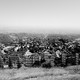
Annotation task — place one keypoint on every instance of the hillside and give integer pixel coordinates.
(10, 37)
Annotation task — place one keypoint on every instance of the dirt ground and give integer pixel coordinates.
(25, 73)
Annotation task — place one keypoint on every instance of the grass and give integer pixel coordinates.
(26, 73)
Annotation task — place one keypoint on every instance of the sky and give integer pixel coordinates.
(40, 16)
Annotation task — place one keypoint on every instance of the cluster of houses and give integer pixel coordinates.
(37, 52)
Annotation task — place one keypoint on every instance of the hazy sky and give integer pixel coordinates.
(43, 16)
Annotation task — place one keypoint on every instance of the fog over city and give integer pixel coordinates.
(40, 16)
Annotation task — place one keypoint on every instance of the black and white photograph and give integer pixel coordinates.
(39, 39)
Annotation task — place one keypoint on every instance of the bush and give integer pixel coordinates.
(18, 64)
(1, 62)
(10, 63)
(46, 65)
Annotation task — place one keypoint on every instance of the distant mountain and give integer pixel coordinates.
(10, 37)
(69, 36)
(22, 35)
(5, 38)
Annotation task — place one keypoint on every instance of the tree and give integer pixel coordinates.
(10, 63)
